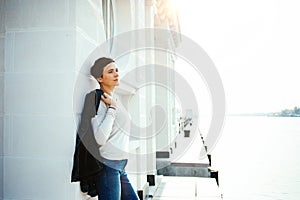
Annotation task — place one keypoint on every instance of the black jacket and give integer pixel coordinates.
(86, 160)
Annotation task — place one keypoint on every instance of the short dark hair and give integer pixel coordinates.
(97, 68)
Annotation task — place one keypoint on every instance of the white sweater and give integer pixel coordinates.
(111, 129)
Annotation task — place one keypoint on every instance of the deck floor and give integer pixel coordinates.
(186, 188)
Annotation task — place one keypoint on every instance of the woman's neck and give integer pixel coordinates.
(107, 90)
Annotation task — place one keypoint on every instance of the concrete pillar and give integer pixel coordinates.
(46, 43)
(2, 44)
(163, 139)
(150, 60)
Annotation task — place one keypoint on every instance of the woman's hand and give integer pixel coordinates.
(109, 100)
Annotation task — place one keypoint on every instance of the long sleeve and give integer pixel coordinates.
(111, 129)
(102, 125)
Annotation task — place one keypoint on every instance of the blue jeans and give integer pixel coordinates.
(114, 184)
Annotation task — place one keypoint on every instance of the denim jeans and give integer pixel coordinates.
(114, 184)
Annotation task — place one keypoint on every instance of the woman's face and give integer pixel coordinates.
(110, 75)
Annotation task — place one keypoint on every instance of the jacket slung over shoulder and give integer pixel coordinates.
(86, 164)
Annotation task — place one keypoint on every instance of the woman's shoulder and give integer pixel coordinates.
(90, 96)
(90, 93)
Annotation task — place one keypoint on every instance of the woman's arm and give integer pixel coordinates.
(103, 129)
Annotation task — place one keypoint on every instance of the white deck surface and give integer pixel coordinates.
(192, 154)
(186, 188)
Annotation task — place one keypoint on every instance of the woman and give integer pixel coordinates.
(111, 126)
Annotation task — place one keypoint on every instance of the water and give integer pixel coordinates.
(258, 158)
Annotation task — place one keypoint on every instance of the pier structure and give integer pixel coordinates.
(187, 175)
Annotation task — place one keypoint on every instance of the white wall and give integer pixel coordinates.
(46, 43)
(2, 36)
(165, 99)
(165, 139)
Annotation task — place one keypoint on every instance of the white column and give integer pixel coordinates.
(163, 138)
(150, 60)
(2, 41)
(46, 43)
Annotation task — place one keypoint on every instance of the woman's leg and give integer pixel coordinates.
(127, 191)
(108, 184)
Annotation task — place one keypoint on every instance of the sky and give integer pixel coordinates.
(255, 46)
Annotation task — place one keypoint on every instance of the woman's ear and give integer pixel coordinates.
(99, 79)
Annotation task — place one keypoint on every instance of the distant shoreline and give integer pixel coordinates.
(295, 112)
(260, 115)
